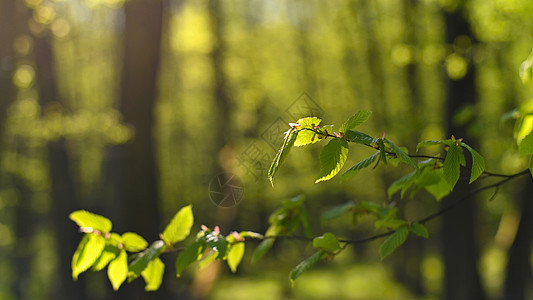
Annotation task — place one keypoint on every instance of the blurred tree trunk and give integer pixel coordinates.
(136, 185)
(64, 196)
(518, 266)
(459, 239)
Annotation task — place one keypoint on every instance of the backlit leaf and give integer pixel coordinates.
(180, 226)
(332, 158)
(133, 242)
(305, 265)
(235, 254)
(327, 242)
(359, 118)
(88, 251)
(153, 274)
(118, 270)
(359, 166)
(280, 157)
(89, 220)
(393, 242)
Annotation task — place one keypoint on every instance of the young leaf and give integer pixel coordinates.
(133, 242)
(336, 211)
(427, 143)
(190, 255)
(382, 151)
(359, 118)
(153, 274)
(327, 242)
(235, 254)
(180, 226)
(478, 163)
(88, 251)
(332, 158)
(440, 189)
(305, 265)
(393, 242)
(359, 166)
(118, 270)
(218, 243)
(141, 261)
(358, 137)
(526, 146)
(419, 230)
(306, 136)
(526, 69)
(452, 165)
(109, 253)
(89, 220)
(262, 249)
(280, 157)
(403, 184)
(401, 155)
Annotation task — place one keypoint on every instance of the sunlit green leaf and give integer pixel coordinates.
(145, 257)
(309, 122)
(280, 157)
(88, 251)
(118, 270)
(235, 254)
(327, 242)
(306, 134)
(359, 166)
(419, 230)
(109, 253)
(427, 143)
(180, 226)
(393, 242)
(133, 242)
(526, 146)
(89, 220)
(332, 158)
(359, 118)
(153, 274)
(305, 265)
(217, 242)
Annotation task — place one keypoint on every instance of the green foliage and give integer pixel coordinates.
(478, 163)
(89, 249)
(133, 242)
(89, 220)
(307, 131)
(305, 265)
(332, 159)
(191, 254)
(401, 154)
(153, 274)
(327, 242)
(526, 146)
(235, 255)
(180, 226)
(144, 258)
(393, 242)
(288, 142)
(526, 69)
(359, 166)
(118, 270)
(452, 164)
(359, 118)
(419, 230)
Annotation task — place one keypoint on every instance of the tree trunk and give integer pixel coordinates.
(64, 196)
(459, 244)
(518, 266)
(137, 201)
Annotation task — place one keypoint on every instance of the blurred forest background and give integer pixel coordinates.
(130, 108)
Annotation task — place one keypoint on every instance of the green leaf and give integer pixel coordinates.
(109, 253)
(305, 265)
(262, 249)
(327, 242)
(359, 118)
(88, 251)
(207, 258)
(393, 242)
(401, 155)
(218, 243)
(336, 211)
(478, 163)
(420, 230)
(141, 261)
(89, 220)
(526, 146)
(389, 223)
(118, 270)
(235, 254)
(251, 234)
(526, 69)
(351, 172)
(280, 157)
(403, 184)
(305, 135)
(304, 220)
(452, 165)
(180, 226)
(133, 242)
(382, 151)
(358, 137)
(440, 189)
(332, 159)
(153, 274)
(190, 255)
(427, 143)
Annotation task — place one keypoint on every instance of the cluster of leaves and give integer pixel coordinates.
(128, 256)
